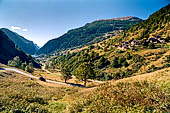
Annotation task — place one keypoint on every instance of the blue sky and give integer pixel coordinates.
(42, 20)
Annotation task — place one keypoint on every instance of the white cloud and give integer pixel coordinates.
(15, 28)
(25, 30)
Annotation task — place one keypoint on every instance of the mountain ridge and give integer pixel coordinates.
(24, 44)
(9, 52)
(121, 18)
(86, 34)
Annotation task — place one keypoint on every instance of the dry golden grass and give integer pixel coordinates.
(160, 75)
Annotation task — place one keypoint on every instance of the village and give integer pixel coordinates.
(125, 45)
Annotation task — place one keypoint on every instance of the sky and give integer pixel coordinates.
(43, 20)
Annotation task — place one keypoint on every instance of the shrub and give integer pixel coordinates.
(16, 62)
(102, 62)
(151, 46)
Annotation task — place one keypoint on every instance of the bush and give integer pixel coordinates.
(102, 62)
(16, 62)
(29, 68)
(151, 46)
(115, 63)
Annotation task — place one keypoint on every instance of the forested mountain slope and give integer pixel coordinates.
(8, 51)
(90, 33)
(24, 44)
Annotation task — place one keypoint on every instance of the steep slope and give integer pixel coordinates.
(90, 33)
(8, 51)
(25, 45)
(157, 24)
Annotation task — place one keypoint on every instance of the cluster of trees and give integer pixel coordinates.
(83, 65)
(16, 62)
(79, 64)
(83, 72)
(121, 61)
(85, 62)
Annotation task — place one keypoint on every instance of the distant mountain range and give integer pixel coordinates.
(89, 33)
(24, 44)
(8, 51)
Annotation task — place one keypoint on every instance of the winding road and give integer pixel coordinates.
(31, 76)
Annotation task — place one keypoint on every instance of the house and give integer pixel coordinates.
(153, 40)
(123, 47)
(116, 45)
(156, 39)
(135, 42)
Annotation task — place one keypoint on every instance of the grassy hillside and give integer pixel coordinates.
(8, 51)
(24, 44)
(90, 33)
(19, 94)
(142, 93)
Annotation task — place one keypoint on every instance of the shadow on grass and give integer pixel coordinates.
(78, 85)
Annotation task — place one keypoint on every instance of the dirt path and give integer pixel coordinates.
(31, 76)
(43, 68)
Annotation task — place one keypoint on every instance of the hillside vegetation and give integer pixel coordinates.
(124, 55)
(157, 24)
(143, 93)
(90, 33)
(24, 44)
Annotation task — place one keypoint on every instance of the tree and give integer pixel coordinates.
(125, 63)
(84, 71)
(29, 68)
(167, 39)
(66, 74)
(23, 65)
(151, 46)
(102, 62)
(115, 63)
(121, 60)
(128, 56)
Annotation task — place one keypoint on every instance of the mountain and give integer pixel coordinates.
(156, 24)
(25, 45)
(141, 49)
(8, 51)
(90, 33)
